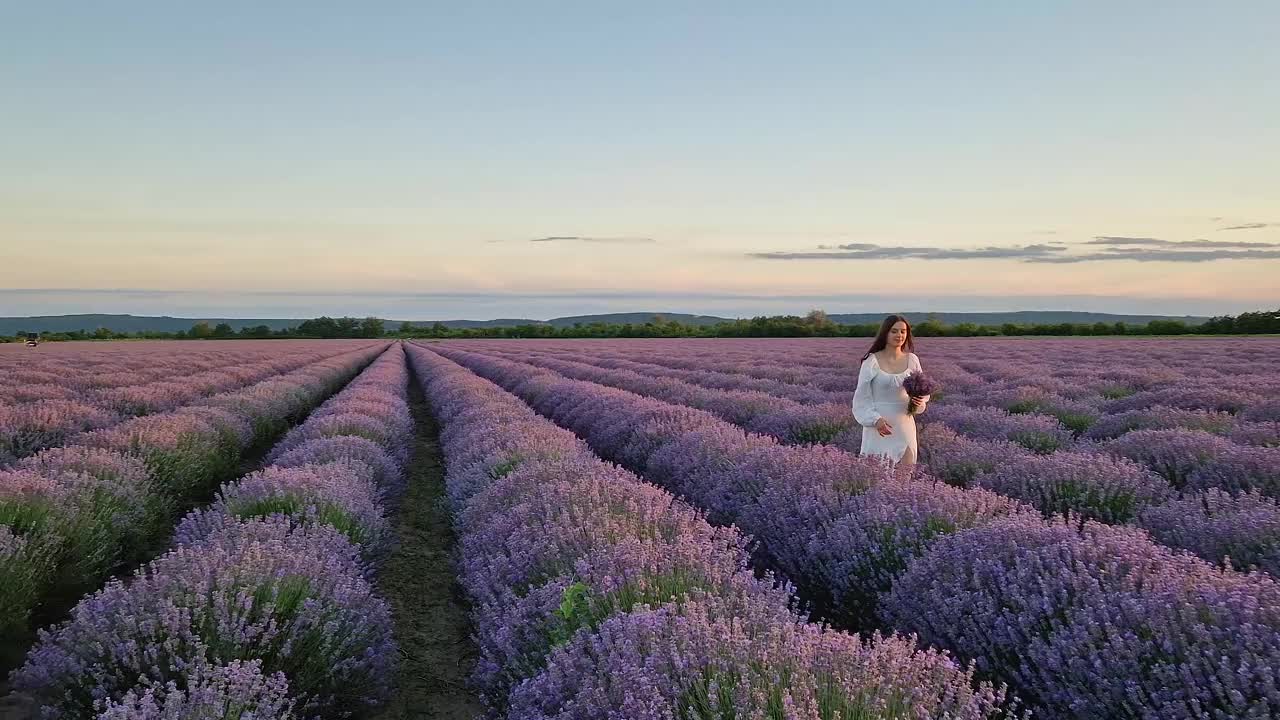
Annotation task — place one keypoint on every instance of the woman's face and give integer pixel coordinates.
(897, 334)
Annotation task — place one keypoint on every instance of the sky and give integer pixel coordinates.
(479, 160)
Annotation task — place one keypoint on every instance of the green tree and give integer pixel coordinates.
(323, 326)
(200, 330)
(370, 327)
(931, 327)
(223, 330)
(1167, 327)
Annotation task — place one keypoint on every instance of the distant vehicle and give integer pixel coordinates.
(33, 339)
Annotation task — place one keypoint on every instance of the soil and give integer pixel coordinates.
(419, 580)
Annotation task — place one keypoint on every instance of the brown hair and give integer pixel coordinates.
(882, 337)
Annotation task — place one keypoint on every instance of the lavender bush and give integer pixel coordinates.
(1160, 418)
(884, 530)
(1098, 487)
(958, 459)
(1240, 469)
(341, 494)
(1243, 530)
(1174, 454)
(715, 658)
(1097, 621)
(1039, 433)
(235, 691)
(286, 597)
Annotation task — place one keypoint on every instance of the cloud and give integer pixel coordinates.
(1137, 249)
(592, 239)
(868, 251)
(1183, 244)
(1116, 240)
(848, 246)
(1248, 226)
(1160, 255)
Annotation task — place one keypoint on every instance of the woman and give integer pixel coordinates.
(879, 402)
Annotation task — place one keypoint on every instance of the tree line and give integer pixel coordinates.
(815, 324)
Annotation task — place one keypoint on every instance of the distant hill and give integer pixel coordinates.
(142, 323)
(126, 323)
(1023, 317)
(635, 318)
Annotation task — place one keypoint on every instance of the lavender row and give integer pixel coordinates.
(70, 515)
(1086, 620)
(759, 412)
(794, 423)
(1077, 395)
(264, 606)
(600, 595)
(711, 375)
(791, 423)
(1022, 456)
(1099, 367)
(1080, 404)
(40, 418)
(85, 367)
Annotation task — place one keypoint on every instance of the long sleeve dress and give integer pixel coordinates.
(880, 395)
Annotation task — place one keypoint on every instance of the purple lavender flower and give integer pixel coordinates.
(26, 562)
(718, 658)
(1266, 411)
(1097, 621)
(1242, 529)
(353, 424)
(920, 385)
(1159, 418)
(1240, 469)
(1097, 487)
(340, 494)
(386, 470)
(116, 486)
(26, 429)
(286, 599)
(1174, 454)
(235, 690)
(886, 528)
(1040, 433)
(1186, 397)
(1258, 434)
(957, 459)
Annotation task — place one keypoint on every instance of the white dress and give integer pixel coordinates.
(880, 395)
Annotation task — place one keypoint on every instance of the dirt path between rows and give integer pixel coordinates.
(419, 580)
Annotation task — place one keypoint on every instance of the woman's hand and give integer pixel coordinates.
(918, 403)
(884, 428)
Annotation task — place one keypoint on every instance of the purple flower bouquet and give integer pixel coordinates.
(919, 385)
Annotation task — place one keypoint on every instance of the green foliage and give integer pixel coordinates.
(581, 607)
(301, 510)
(343, 327)
(816, 323)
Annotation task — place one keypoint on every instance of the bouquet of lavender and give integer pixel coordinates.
(919, 385)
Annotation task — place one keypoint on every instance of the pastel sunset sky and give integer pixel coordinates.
(440, 160)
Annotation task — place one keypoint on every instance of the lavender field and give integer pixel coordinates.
(643, 529)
